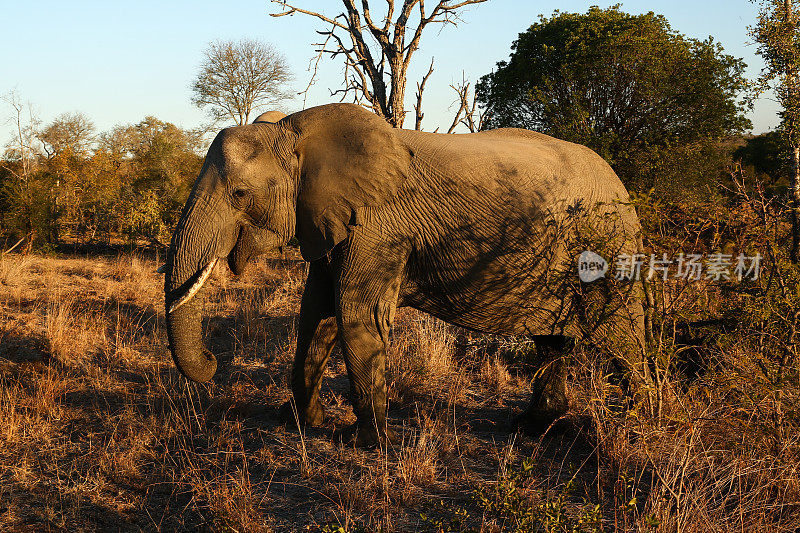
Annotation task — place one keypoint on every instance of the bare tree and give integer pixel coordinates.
(237, 77)
(376, 53)
(21, 147)
(467, 113)
(21, 151)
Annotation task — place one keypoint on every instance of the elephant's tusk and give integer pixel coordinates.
(196, 286)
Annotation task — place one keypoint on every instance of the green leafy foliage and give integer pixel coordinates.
(516, 503)
(777, 35)
(510, 503)
(651, 101)
(766, 157)
(28, 206)
(766, 310)
(131, 181)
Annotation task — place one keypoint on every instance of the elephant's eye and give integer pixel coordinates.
(239, 194)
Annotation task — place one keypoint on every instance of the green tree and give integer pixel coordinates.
(156, 163)
(766, 157)
(63, 181)
(651, 101)
(67, 144)
(777, 33)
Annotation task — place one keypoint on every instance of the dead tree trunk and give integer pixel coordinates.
(376, 50)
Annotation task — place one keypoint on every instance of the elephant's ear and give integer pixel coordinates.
(349, 160)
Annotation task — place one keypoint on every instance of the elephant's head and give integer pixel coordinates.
(307, 175)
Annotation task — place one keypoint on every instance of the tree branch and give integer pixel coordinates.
(293, 10)
(418, 106)
(465, 114)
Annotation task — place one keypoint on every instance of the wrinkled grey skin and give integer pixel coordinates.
(474, 229)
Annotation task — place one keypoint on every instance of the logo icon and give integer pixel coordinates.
(591, 266)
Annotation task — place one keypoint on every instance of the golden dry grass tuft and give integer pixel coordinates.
(98, 431)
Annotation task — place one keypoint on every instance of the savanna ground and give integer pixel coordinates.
(99, 432)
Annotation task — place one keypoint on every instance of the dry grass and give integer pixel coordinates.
(99, 432)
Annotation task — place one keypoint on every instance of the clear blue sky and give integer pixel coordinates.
(120, 61)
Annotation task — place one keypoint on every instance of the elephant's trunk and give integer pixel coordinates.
(184, 330)
(193, 253)
(183, 306)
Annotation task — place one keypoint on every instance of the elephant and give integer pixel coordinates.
(269, 116)
(476, 229)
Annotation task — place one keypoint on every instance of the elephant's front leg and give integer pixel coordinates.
(367, 291)
(364, 335)
(317, 332)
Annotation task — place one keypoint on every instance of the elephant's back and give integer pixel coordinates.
(517, 160)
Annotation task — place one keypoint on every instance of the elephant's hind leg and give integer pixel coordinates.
(317, 332)
(548, 398)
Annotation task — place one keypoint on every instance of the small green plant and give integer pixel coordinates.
(517, 506)
(338, 528)
(447, 519)
(521, 508)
